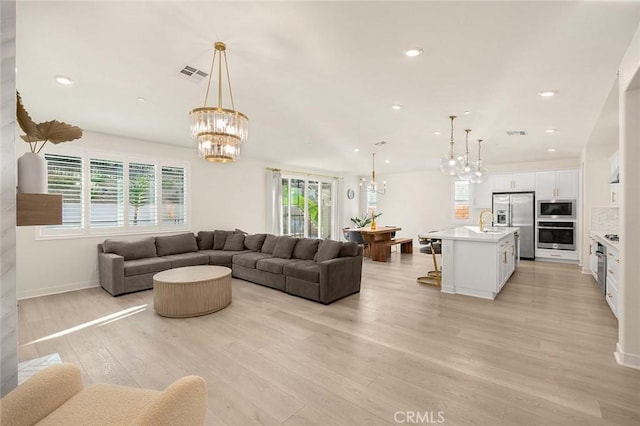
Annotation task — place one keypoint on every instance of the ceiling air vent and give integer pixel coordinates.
(193, 73)
(517, 132)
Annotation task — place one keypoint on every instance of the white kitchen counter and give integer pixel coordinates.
(599, 236)
(477, 263)
(472, 233)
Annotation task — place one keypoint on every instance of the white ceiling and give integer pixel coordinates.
(317, 79)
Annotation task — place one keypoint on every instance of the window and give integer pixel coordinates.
(65, 177)
(307, 207)
(107, 193)
(173, 194)
(112, 195)
(142, 191)
(461, 200)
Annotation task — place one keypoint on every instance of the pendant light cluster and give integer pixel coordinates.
(459, 165)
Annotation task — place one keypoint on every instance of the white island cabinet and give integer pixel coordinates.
(477, 263)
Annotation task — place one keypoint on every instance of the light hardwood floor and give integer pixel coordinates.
(540, 354)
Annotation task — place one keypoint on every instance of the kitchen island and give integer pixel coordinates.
(477, 263)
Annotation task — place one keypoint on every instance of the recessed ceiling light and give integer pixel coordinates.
(356, 149)
(414, 51)
(64, 80)
(467, 112)
(396, 106)
(547, 93)
(436, 133)
(551, 149)
(140, 99)
(387, 161)
(551, 130)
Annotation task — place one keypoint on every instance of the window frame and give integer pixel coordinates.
(86, 231)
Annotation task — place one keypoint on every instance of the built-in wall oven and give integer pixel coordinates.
(557, 235)
(556, 209)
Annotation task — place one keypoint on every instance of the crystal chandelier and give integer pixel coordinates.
(452, 163)
(219, 131)
(372, 187)
(478, 172)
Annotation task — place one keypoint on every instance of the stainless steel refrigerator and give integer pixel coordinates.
(517, 209)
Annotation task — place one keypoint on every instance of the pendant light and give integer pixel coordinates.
(478, 172)
(219, 131)
(451, 164)
(372, 187)
(467, 167)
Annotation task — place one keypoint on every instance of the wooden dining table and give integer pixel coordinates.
(379, 240)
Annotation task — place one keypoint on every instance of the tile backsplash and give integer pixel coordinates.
(604, 219)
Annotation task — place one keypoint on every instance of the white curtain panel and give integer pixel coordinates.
(274, 202)
(338, 211)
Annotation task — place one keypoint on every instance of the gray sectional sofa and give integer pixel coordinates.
(320, 270)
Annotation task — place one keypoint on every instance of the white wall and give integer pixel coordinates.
(417, 202)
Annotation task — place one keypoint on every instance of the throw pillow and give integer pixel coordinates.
(306, 249)
(176, 244)
(234, 242)
(284, 247)
(240, 231)
(131, 250)
(269, 244)
(219, 238)
(254, 242)
(205, 240)
(328, 250)
(349, 249)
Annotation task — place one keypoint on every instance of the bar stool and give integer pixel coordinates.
(433, 246)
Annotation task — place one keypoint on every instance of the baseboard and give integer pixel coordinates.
(28, 294)
(586, 271)
(626, 360)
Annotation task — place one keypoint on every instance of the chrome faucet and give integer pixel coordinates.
(482, 222)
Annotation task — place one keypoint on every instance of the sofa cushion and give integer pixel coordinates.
(269, 244)
(284, 247)
(254, 242)
(219, 238)
(174, 244)
(348, 249)
(205, 240)
(234, 242)
(249, 260)
(220, 257)
(274, 265)
(145, 266)
(328, 250)
(306, 248)
(187, 259)
(306, 270)
(131, 250)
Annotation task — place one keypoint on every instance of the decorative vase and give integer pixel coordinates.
(32, 174)
(373, 225)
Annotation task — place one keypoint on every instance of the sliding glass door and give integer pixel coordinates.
(307, 207)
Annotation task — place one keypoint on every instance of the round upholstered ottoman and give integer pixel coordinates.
(191, 291)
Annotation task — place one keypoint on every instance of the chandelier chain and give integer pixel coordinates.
(213, 61)
(226, 66)
(452, 117)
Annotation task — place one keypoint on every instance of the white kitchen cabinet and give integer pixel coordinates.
(613, 261)
(514, 182)
(614, 189)
(561, 184)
